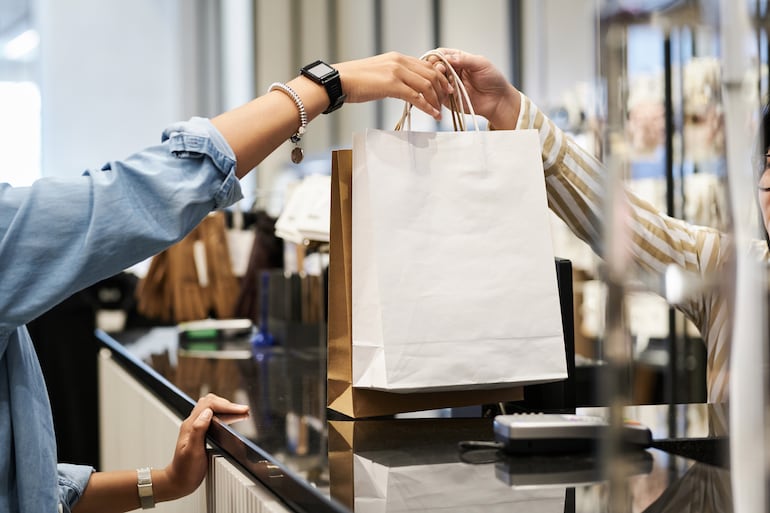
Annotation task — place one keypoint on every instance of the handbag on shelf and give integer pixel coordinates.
(192, 279)
(266, 254)
(442, 290)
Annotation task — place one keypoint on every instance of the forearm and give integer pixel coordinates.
(115, 492)
(257, 128)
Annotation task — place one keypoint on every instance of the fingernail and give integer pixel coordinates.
(206, 414)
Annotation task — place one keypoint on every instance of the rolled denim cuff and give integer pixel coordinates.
(198, 137)
(73, 480)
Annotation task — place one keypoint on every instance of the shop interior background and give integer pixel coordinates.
(84, 81)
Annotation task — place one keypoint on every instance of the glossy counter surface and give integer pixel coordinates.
(413, 464)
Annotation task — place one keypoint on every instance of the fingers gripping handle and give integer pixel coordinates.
(460, 95)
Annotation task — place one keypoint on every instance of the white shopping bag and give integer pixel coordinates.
(453, 281)
(446, 488)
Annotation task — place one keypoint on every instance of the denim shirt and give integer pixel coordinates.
(59, 236)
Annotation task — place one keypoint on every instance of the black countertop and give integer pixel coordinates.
(317, 464)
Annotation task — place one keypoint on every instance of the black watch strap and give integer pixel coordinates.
(336, 97)
(323, 74)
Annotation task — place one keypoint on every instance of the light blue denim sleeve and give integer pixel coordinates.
(59, 236)
(72, 482)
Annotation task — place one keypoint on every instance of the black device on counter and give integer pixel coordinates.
(553, 432)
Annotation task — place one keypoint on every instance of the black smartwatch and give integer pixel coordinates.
(323, 74)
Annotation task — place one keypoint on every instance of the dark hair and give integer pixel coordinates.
(762, 142)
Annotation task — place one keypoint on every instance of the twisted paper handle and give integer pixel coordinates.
(455, 101)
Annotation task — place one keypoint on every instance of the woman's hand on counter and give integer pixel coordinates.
(188, 467)
(116, 491)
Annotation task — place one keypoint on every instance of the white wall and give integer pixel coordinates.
(113, 75)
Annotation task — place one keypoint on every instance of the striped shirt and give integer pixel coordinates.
(577, 187)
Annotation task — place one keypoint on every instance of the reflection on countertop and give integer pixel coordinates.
(413, 464)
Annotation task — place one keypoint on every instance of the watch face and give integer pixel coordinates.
(320, 70)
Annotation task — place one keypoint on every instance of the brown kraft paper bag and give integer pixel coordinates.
(342, 397)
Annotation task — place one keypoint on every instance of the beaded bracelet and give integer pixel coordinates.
(296, 154)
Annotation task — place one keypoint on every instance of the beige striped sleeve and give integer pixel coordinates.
(576, 186)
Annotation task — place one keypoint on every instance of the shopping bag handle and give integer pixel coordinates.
(455, 100)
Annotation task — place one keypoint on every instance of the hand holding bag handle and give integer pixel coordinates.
(455, 100)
